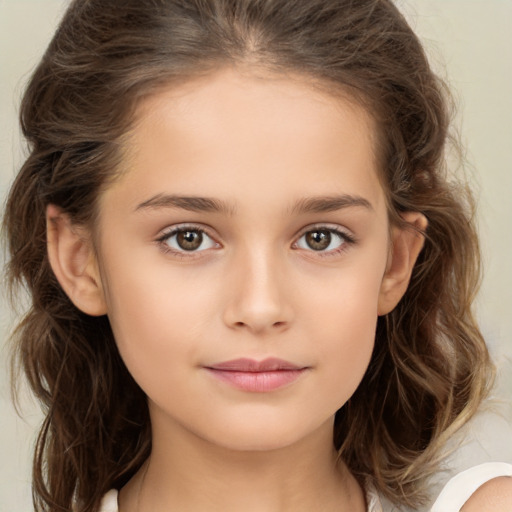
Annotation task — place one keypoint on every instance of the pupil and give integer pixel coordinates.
(318, 240)
(189, 240)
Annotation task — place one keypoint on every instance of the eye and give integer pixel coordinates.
(187, 239)
(323, 239)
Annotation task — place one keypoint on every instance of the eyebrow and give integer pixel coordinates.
(329, 203)
(206, 204)
(190, 203)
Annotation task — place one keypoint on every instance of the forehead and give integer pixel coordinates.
(234, 133)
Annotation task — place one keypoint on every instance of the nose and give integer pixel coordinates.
(258, 296)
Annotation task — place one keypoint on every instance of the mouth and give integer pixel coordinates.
(257, 376)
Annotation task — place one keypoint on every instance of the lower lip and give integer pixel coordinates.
(258, 382)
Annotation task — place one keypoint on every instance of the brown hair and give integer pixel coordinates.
(430, 366)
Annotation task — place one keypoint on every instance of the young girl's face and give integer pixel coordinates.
(249, 226)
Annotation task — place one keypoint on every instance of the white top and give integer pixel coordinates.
(459, 489)
(109, 502)
(451, 499)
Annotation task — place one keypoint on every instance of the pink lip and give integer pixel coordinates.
(257, 376)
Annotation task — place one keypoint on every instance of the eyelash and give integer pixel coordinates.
(347, 240)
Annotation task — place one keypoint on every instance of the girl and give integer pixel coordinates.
(251, 278)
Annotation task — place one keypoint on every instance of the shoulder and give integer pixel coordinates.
(493, 496)
(486, 487)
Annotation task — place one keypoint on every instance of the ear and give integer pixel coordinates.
(73, 262)
(406, 244)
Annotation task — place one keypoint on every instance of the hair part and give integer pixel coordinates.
(430, 368)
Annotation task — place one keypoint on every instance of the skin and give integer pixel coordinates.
(493, 496)
(262, 145)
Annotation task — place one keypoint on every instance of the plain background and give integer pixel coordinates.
(470, 44)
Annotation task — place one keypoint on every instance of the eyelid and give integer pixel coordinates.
(347, 233)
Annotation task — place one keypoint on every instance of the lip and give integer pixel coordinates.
(257, 376)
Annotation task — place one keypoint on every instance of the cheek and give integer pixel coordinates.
(345, 319)
(142, 315)
(160, 317)
(350, 340)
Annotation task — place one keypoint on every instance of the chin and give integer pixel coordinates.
(260, 436)
(259, 443)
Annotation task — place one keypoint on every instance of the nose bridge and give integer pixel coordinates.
(259, 300)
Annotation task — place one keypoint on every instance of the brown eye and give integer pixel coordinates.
(187, 240)
(324, 239)
(318, 240)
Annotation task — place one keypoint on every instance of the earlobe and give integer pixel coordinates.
(73, 262)
(406, 245)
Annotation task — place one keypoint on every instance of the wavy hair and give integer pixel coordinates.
(430, 367)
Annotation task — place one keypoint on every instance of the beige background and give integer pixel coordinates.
(470, 43)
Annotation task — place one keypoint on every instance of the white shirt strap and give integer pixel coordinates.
(459, 489)
(109, 502)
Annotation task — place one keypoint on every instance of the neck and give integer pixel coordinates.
(185, 472)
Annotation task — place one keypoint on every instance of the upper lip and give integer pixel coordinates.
(250, 365)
